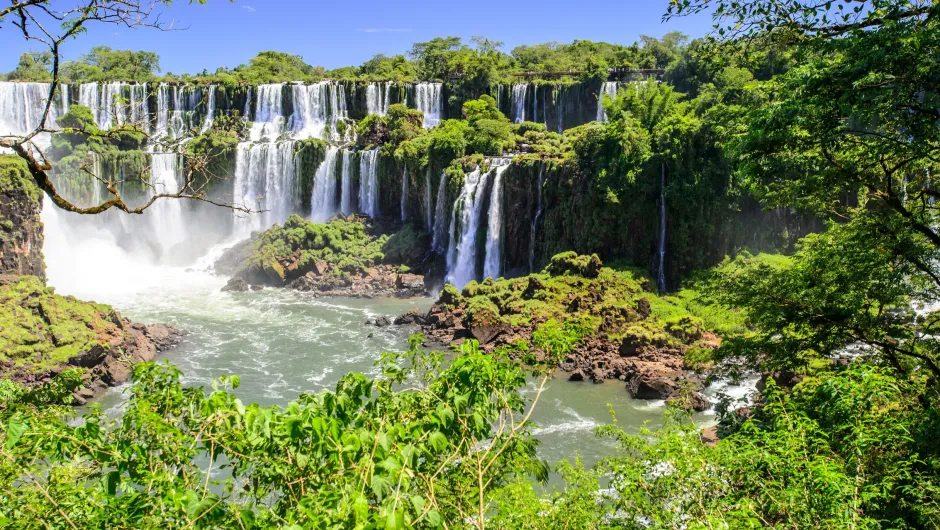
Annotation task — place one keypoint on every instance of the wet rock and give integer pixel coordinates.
(379, 322)
(710, 436)
(415, 316)
(690, 401)
(653, 383)
(235, 285)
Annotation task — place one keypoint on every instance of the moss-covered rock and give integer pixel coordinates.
(42, 333)
(21, 234)
(330, 257)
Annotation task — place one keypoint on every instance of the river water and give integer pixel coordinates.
(282, 343)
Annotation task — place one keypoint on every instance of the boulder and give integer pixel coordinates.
(236, 285)
(690, 401)
(710, 436)
(653, 383)
(415, 316)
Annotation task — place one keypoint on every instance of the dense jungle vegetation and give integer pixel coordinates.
(829, 107)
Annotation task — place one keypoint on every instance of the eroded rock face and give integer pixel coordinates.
(46, 333)
(21, 234)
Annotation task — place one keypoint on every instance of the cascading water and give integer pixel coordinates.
(210, 109)
(492, 265)
(265, 174)
(429, 100)
(378, 98)
(346, 204)
(461, 255)
(404, 195)
(315, 107)
(368, 183)
(661, 276)
(22, 105)
(429, 214)
(535, 221)
(323, 201)
(440, 210)
(269, 118)
(166, 214)
(518, 102)
(608, 89)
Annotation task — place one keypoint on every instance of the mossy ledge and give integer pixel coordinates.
(43, 334)
(628, 333)
(343, 257)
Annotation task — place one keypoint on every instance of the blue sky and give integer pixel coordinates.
(334, 34)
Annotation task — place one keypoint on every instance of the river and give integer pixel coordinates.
(282, 343)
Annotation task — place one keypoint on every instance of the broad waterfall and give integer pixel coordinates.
(461, 255)
(22, 105)
(517, 101)
(429, 100)
(265, 174)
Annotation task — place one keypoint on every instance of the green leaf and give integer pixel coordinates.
(15, 429)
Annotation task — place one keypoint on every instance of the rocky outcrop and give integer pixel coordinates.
(623, 339)
(20, 227)
(44, 334)
(375, 282)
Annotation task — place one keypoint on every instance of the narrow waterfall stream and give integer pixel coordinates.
(535, 220)
(492, 266)
(438, 242)
(369, 183)
(661, 270)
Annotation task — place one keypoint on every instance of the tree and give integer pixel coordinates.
(39, 22)
(33, 66)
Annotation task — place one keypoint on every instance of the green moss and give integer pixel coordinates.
(612, 303)
(40, 330)
(14, 176)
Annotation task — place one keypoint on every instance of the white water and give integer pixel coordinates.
(535, 221)
(608, 89)
(166, 215)
(429, 100)
(518, 101)
(429, 214)
(492, 265)
(323, 201)
(210, 109)
(461, 256)
(438, 243)
(346, 205)
(316, 106)
(22, 105)
(404, 194)
(269, 114)
(369, 183)
(378, 98)
(265, 174)
(661, 277)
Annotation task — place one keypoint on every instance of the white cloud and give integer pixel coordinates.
(385, 30)
(249, 9)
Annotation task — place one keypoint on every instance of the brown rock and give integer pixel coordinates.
(710, 436)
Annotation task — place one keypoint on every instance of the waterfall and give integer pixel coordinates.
(166, 214)
(535, 221)
(437, 242)
(315, 107)
(210, 110)
(246, 114)
(560, 108)
(22, 105)
(535, 103)
(494, 233)
(377, 101)
(608, 89)
(429, 100)
(175, 109)
(429, 215)
(346, 184)
(368, 183)
(518, 102)
(461, 255)
(323, 200)
(661, 278)
(265, 174)
(269, 118)
(404, 194)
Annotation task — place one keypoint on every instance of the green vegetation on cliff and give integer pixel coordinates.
(342, 246)
(40, 330)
